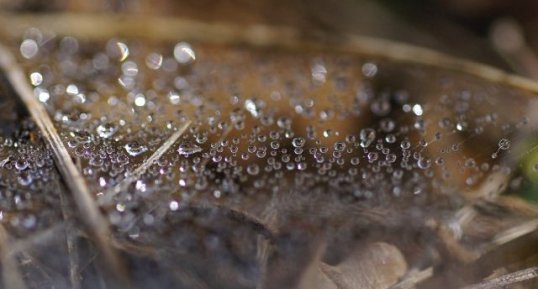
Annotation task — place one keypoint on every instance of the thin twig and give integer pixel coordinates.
(138, 172)
(84, 200)
(11, 275)
(508, 279)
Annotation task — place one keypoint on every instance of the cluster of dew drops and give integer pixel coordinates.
(29, 182)
(115, 103)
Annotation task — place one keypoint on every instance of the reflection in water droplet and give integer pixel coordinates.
(367, 136)
(134, 148)
(504, 144)
(29, 48)
(36, 78)
(123, 51)
(298, 142)
(183, 53)
(106, 130)
(424, 163)
(369, 69)
(188, 148)
(154, 61)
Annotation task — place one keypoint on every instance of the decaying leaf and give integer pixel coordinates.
(207, 156)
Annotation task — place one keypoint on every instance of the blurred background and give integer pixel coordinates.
(499, 33)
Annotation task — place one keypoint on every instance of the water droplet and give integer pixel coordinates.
(417, 110)
(405, 144)
(367, 136)
(339, 146)
(319, 72)
(504, 144)
(42, 94)
(252, 107)
(372, 157)
(424, 163)
(36, 78)
(140, 100)
(188, 149)
(154, 61)
(380, 107)
(173, 205)
(106, 130)
(29, 48)
(183, 53)
(253, 169)
(369, 69)
(123, 51)
(129, 68)
(298, 142)
(134, 148)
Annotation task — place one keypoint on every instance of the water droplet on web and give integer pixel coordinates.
(134, 148)
(253, 107)
(36, 78)
(29, 48)
(253, 169)
(319, 72)
(106, 130)
(339, 146)
(173, 205)
(367, 136)
(154, 61)
(372, 157)
(298, 142)
(140, 100)
(417, 109)
(123, 50)
(21, 165)
(43, 95)
(504, 144)
(405, 144)
(129, 68)
(183, 53)
(369, 69)
(188, 148)
(461, 126)
(424, 163)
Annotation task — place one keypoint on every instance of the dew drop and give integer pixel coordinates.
(504, 144)
(253, 169)
(29, 48)
(424, 163)
(36, 78)
(183, 53)
(369, 69)
(298, 142)
(106, 130)
(123, 50)
(154, 61)
(134, 148)
(367, 136)
(188, 148)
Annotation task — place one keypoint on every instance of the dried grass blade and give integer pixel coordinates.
(84, 200)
